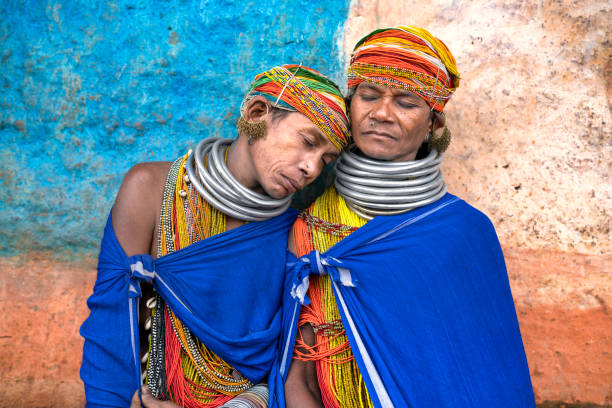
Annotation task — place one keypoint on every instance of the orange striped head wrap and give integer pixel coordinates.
(407, 58)
(302, 89)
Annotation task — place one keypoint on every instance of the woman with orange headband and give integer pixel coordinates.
(405, 294)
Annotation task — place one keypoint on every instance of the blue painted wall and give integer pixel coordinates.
(87, 89)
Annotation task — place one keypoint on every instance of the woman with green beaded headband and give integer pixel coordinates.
(296, 88)
(210, 231)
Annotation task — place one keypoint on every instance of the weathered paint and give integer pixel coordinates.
(44, 303)
(86, 91)
(91, 88)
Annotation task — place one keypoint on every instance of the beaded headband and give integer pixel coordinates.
(305, 90)
(408, 58)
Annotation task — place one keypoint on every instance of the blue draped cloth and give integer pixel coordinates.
(226, 289)
(426, 303)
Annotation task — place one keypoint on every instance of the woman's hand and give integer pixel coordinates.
(149, 401)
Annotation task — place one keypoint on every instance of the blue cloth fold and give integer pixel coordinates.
(226, 289)
(431, 321)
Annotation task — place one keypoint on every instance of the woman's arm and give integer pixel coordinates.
(107, 368)
(302, 386)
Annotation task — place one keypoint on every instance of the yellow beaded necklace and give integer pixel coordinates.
(323, 225)
(196, 377)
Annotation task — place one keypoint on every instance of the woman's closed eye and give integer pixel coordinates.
(406, 104)
(368, 96)
(307, 141)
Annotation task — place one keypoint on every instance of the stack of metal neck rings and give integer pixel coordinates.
(211, 178)
(373, 187)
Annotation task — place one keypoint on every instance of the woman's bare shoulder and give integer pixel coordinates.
(137, 206)
(144, 176)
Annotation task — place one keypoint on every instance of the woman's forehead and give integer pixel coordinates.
(301, 123)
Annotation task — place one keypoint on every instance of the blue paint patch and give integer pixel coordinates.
(88, 89)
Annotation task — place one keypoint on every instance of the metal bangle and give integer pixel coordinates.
(219, 187)
(372, 187)
(391, 195)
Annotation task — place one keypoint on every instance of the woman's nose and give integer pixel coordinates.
(311, 167)
(381, 111)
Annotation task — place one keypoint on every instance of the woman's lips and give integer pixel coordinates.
(290, 185)
(373, 133)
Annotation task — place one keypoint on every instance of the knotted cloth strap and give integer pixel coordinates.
(141, 268)
(317, 264)
(300, 268)
(321, 264)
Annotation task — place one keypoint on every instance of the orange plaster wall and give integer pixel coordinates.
(43, 304)
(562, 303)
(567, 339)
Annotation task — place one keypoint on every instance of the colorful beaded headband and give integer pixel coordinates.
(307, 91)
(408, 58)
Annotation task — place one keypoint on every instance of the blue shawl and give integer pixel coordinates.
(226, 289)
(426, 303)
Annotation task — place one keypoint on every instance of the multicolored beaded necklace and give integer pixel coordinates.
(324, 224)
(180, 368)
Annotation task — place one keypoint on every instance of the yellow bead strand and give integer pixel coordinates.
(203, 221)
(345, 380)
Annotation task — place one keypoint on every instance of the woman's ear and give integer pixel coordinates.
(439, 120)
(439, 140)
(257, 109)
(253, 122)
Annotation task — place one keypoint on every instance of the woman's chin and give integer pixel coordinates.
(375, 148)
(277, 192)
(377, 152)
